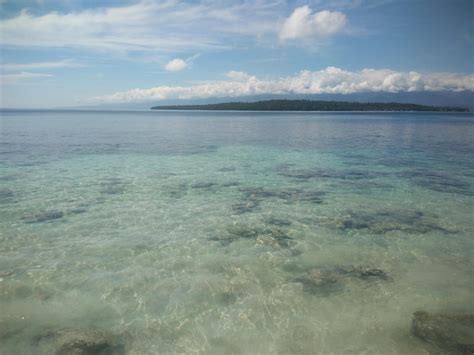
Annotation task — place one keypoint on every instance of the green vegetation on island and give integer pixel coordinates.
(311, 105)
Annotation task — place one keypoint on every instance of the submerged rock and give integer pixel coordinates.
(323, 281)
(43, 216)
(264, 236)
(77, 210)
(318, 173)
(365, 273)
(230, 184)
(438, 181)
(243, 231)
(289, 195)
(112, 190)
(252, 196)
(227, 169)
(319, 281)
(381, 222)
(203, 185)
(6, 273)
(10, 328)
(305, 174)
(10, 177)
(235, 232)
(354, 224)
(6, 195)
(112, 181)
(245, 206)
(176, 191)
(257, 193)
(294, 196)
(453, 333)
(275, 239)
(230, 293)
(113, 186)
(280, 237)
(278, 221)
(80, 341)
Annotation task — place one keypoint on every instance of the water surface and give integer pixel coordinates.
(220, 232)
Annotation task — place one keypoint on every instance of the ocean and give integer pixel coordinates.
(233, 232)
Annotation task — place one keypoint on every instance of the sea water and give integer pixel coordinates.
(215, 232)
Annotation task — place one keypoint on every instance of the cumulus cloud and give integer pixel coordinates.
(176, 64)
(327, 81)
(304, 23)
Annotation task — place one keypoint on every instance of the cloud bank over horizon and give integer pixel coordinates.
(331, 80)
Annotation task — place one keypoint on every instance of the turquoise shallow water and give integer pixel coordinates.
(228, 233)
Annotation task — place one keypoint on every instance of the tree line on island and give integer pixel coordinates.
(311, 105)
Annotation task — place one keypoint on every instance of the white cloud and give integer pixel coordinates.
(147, 25)
(66, 63)
(304, 23)
(158, 26)
(179, 64)
(13, 78)
(176, 64)
(327, 81)
(238, 75)
(140, 26)
(12, 73)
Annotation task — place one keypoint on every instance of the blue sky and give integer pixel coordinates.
(72, 52)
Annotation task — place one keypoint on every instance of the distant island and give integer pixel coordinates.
(311, 105)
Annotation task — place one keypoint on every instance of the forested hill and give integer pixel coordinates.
(310, 105)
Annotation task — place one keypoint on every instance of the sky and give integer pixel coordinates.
(64, 53)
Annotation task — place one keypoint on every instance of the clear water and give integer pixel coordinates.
(194, 232)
